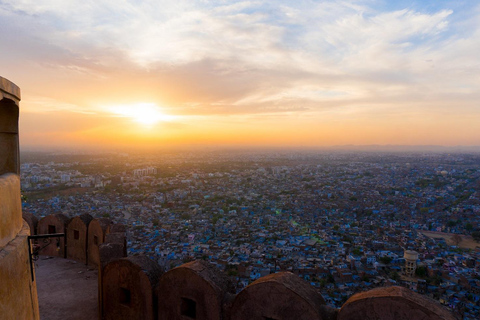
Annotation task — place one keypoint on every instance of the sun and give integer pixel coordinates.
(147, 114)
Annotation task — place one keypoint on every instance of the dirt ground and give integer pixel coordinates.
(466, 243)
(66, 289)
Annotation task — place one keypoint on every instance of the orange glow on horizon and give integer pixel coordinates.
(147, 114)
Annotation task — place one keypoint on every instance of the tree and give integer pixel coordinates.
(330, 278)
(185, 216)
(456, 239)
(385, 260)
(356, 251)
(395, 276)
(476, 235)
(421, 272)
(469, 226)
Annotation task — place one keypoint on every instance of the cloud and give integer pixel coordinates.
(244, 57)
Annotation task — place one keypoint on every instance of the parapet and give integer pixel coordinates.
(54, 223)
(97, 230)
(32, 222)
(128, 288)
(18, 293)
(77, 238)
(278, 296)
(392, 303)
(136, 288)
(9, 90)
(11, 221)
(194, 290)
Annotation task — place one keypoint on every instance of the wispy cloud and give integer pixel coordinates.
(245, 57)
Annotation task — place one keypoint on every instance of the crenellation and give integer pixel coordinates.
(98, 229)
(54, 223)
(77, 238)
(137, 288)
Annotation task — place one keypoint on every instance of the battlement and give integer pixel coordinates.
(136, 287)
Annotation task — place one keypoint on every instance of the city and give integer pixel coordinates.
(340, 220)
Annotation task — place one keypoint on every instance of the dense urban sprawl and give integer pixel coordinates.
(340, 220)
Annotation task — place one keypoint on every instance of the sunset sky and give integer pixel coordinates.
(119, 73)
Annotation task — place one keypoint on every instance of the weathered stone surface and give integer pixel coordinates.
(32, 222)
(67, 290)
(54, 223)
(392, 303)
(10, 208)
(109, 251)
(195, 288)
(279, 296)
(18, 294)
(118, 228)
(97, 229)
(128, 288)
(9, 90)
(77, 237)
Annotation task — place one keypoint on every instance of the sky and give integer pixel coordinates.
(117, 73)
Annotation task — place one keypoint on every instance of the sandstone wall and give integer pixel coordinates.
(54, 223)
(196, 290)
(18, 293)
(128, 289)
(136, 288)
(77, 238)
(97, 230)
(11, 221)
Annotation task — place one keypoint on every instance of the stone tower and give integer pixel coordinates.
(411, 258)
(18, 293)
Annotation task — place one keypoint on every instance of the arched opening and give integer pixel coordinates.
(9, 148)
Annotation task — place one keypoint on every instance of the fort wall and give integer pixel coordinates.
(55, 223)
(77, 238)
(97, 231)
(137, 288)
(18, 293)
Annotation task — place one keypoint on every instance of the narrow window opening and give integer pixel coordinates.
(52, 229)
(95, 240)
(76, 234)
(268, 318)
(125, 296)
(189, 308)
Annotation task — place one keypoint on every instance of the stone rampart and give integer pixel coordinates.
(197, 290)
(136, 288)
(11, 221)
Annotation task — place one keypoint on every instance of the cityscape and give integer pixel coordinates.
(343, 221)
(239, 160)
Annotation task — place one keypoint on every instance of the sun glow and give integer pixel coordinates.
(144, 113)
